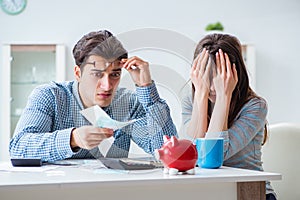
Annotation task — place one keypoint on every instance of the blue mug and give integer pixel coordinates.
(210, 152)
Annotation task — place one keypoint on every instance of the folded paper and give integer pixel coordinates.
(100, 118)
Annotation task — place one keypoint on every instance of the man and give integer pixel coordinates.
(52, 128)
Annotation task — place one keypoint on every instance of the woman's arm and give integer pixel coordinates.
(198, 125)
(200, 73)
(224, 79)
(248, 124)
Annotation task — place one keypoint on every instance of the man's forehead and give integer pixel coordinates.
(96, 58)
(108, 69)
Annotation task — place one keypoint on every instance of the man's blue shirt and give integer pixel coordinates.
(53, 111)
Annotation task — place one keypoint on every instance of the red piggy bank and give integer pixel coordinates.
(177, 155)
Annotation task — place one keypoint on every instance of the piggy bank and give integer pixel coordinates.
(177, 156)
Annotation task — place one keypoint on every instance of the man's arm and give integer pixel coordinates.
(34, 136)
(156, 120)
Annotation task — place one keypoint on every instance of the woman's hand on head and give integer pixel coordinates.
(200, 72)
(225, 77)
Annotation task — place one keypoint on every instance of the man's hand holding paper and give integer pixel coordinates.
(88, 137)
(100, 133)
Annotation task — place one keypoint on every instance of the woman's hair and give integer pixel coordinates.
(232, 47)
(101, 43)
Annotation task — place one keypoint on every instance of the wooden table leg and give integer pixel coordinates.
(251, 190)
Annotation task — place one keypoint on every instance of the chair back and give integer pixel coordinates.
(281, 154)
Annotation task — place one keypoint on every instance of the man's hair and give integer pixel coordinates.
(100, 43)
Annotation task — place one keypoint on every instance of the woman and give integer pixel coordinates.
(222, 103)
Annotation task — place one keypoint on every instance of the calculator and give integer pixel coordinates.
(26, 162)
(130, 163)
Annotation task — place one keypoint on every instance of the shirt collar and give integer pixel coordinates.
(76, 94)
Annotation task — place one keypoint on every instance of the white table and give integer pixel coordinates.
(78, 182)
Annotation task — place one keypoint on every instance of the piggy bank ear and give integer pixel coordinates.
(174, 141)
(166, 138)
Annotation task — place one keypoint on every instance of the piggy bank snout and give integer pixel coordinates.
(158, 154)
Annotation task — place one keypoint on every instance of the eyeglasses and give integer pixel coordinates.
(103, 65)
(100, 67)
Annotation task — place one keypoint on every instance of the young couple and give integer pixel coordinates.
(221, 101)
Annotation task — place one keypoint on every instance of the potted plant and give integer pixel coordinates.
(214, 27)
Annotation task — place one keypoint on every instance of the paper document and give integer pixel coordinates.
(7, 166)
(100, 118)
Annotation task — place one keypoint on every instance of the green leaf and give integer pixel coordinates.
(214, 26)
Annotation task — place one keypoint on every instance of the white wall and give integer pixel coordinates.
(273, 26)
